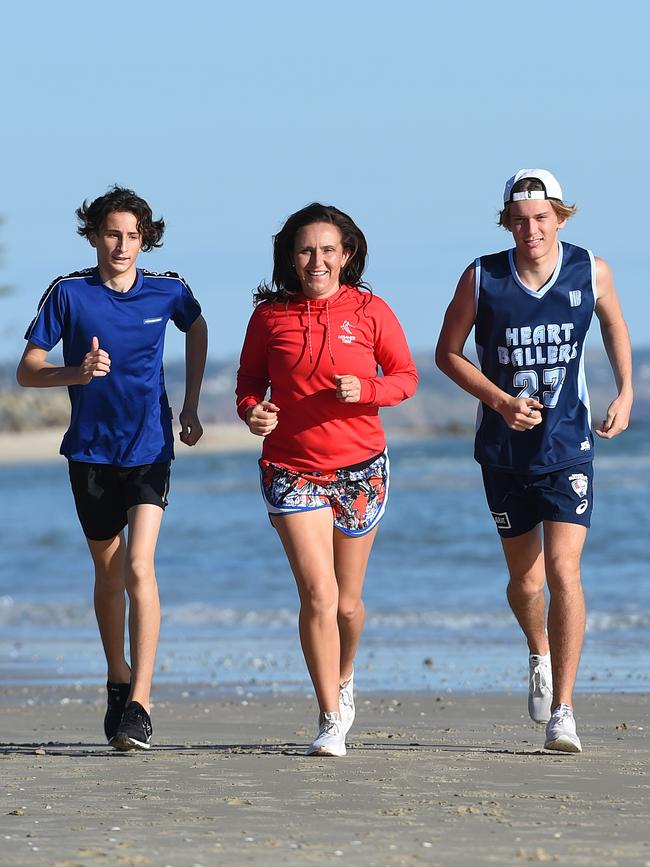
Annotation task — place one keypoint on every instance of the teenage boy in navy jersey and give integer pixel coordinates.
(119, 445)
(530, 308)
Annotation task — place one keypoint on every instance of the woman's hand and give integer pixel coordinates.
(262, 418)
(348, 388)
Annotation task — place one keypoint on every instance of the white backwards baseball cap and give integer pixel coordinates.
(552, 189)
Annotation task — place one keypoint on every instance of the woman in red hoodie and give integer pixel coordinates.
(317, 339)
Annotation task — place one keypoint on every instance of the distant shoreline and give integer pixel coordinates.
(42, 446)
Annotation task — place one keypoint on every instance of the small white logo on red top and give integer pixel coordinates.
(348, 337)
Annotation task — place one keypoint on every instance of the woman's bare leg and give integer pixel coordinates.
(351, 554)
(307, 538)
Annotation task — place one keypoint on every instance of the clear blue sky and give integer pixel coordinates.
(228, 117)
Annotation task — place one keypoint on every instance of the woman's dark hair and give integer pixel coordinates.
(284, 282)
(91, 216)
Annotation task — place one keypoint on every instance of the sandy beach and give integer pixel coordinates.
(448, 779)
(36, 446)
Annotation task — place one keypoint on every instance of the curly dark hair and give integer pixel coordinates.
(91, 216)
(285, 280)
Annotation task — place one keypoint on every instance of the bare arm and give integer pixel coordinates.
(616, 340)
(458, 322)
(34, 371)
(196, 350)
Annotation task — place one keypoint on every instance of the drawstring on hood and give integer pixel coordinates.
(327, 332)
(311, 357)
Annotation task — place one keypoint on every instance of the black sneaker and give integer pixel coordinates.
(134, 731)
(117, 696)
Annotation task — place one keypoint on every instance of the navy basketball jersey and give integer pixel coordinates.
(531, 344)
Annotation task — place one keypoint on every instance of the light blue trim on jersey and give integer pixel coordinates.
(539, 293)
(583, 393)
(479, 416)
(479, 408)
(479, 348)
(594, 283)
(477, 284)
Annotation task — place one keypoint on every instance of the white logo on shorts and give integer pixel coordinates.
(502, 520)
(582, 507)
(585, 445)
(580, 484)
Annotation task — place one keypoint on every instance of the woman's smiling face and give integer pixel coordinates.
(319, 258)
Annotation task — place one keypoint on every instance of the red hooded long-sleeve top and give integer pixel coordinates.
(295, 348)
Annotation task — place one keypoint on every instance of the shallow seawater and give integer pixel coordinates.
(437, 618)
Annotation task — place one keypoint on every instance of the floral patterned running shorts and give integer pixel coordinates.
(356, 495)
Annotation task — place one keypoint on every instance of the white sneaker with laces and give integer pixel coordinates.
(346, 703)
(561, 731)
(540, 687)
(330, 740)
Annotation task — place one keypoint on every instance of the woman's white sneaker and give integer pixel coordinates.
(330, 740)
(346, 703)
(561, 731)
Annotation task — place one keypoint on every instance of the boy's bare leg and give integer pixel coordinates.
(563, 544)
(109, 557)
(525, 558)
(144, 602)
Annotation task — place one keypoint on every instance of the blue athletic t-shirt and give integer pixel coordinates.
(123, 418)
(531, 344)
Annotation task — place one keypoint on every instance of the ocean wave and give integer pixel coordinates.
(18, 613)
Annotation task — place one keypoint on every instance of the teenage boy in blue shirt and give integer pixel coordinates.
(119, 445)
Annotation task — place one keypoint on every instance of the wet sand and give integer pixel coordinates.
(448, 779)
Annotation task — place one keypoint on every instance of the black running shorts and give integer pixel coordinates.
(103, 494)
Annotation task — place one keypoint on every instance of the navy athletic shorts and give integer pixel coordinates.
(519, 502)
(103, 494)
